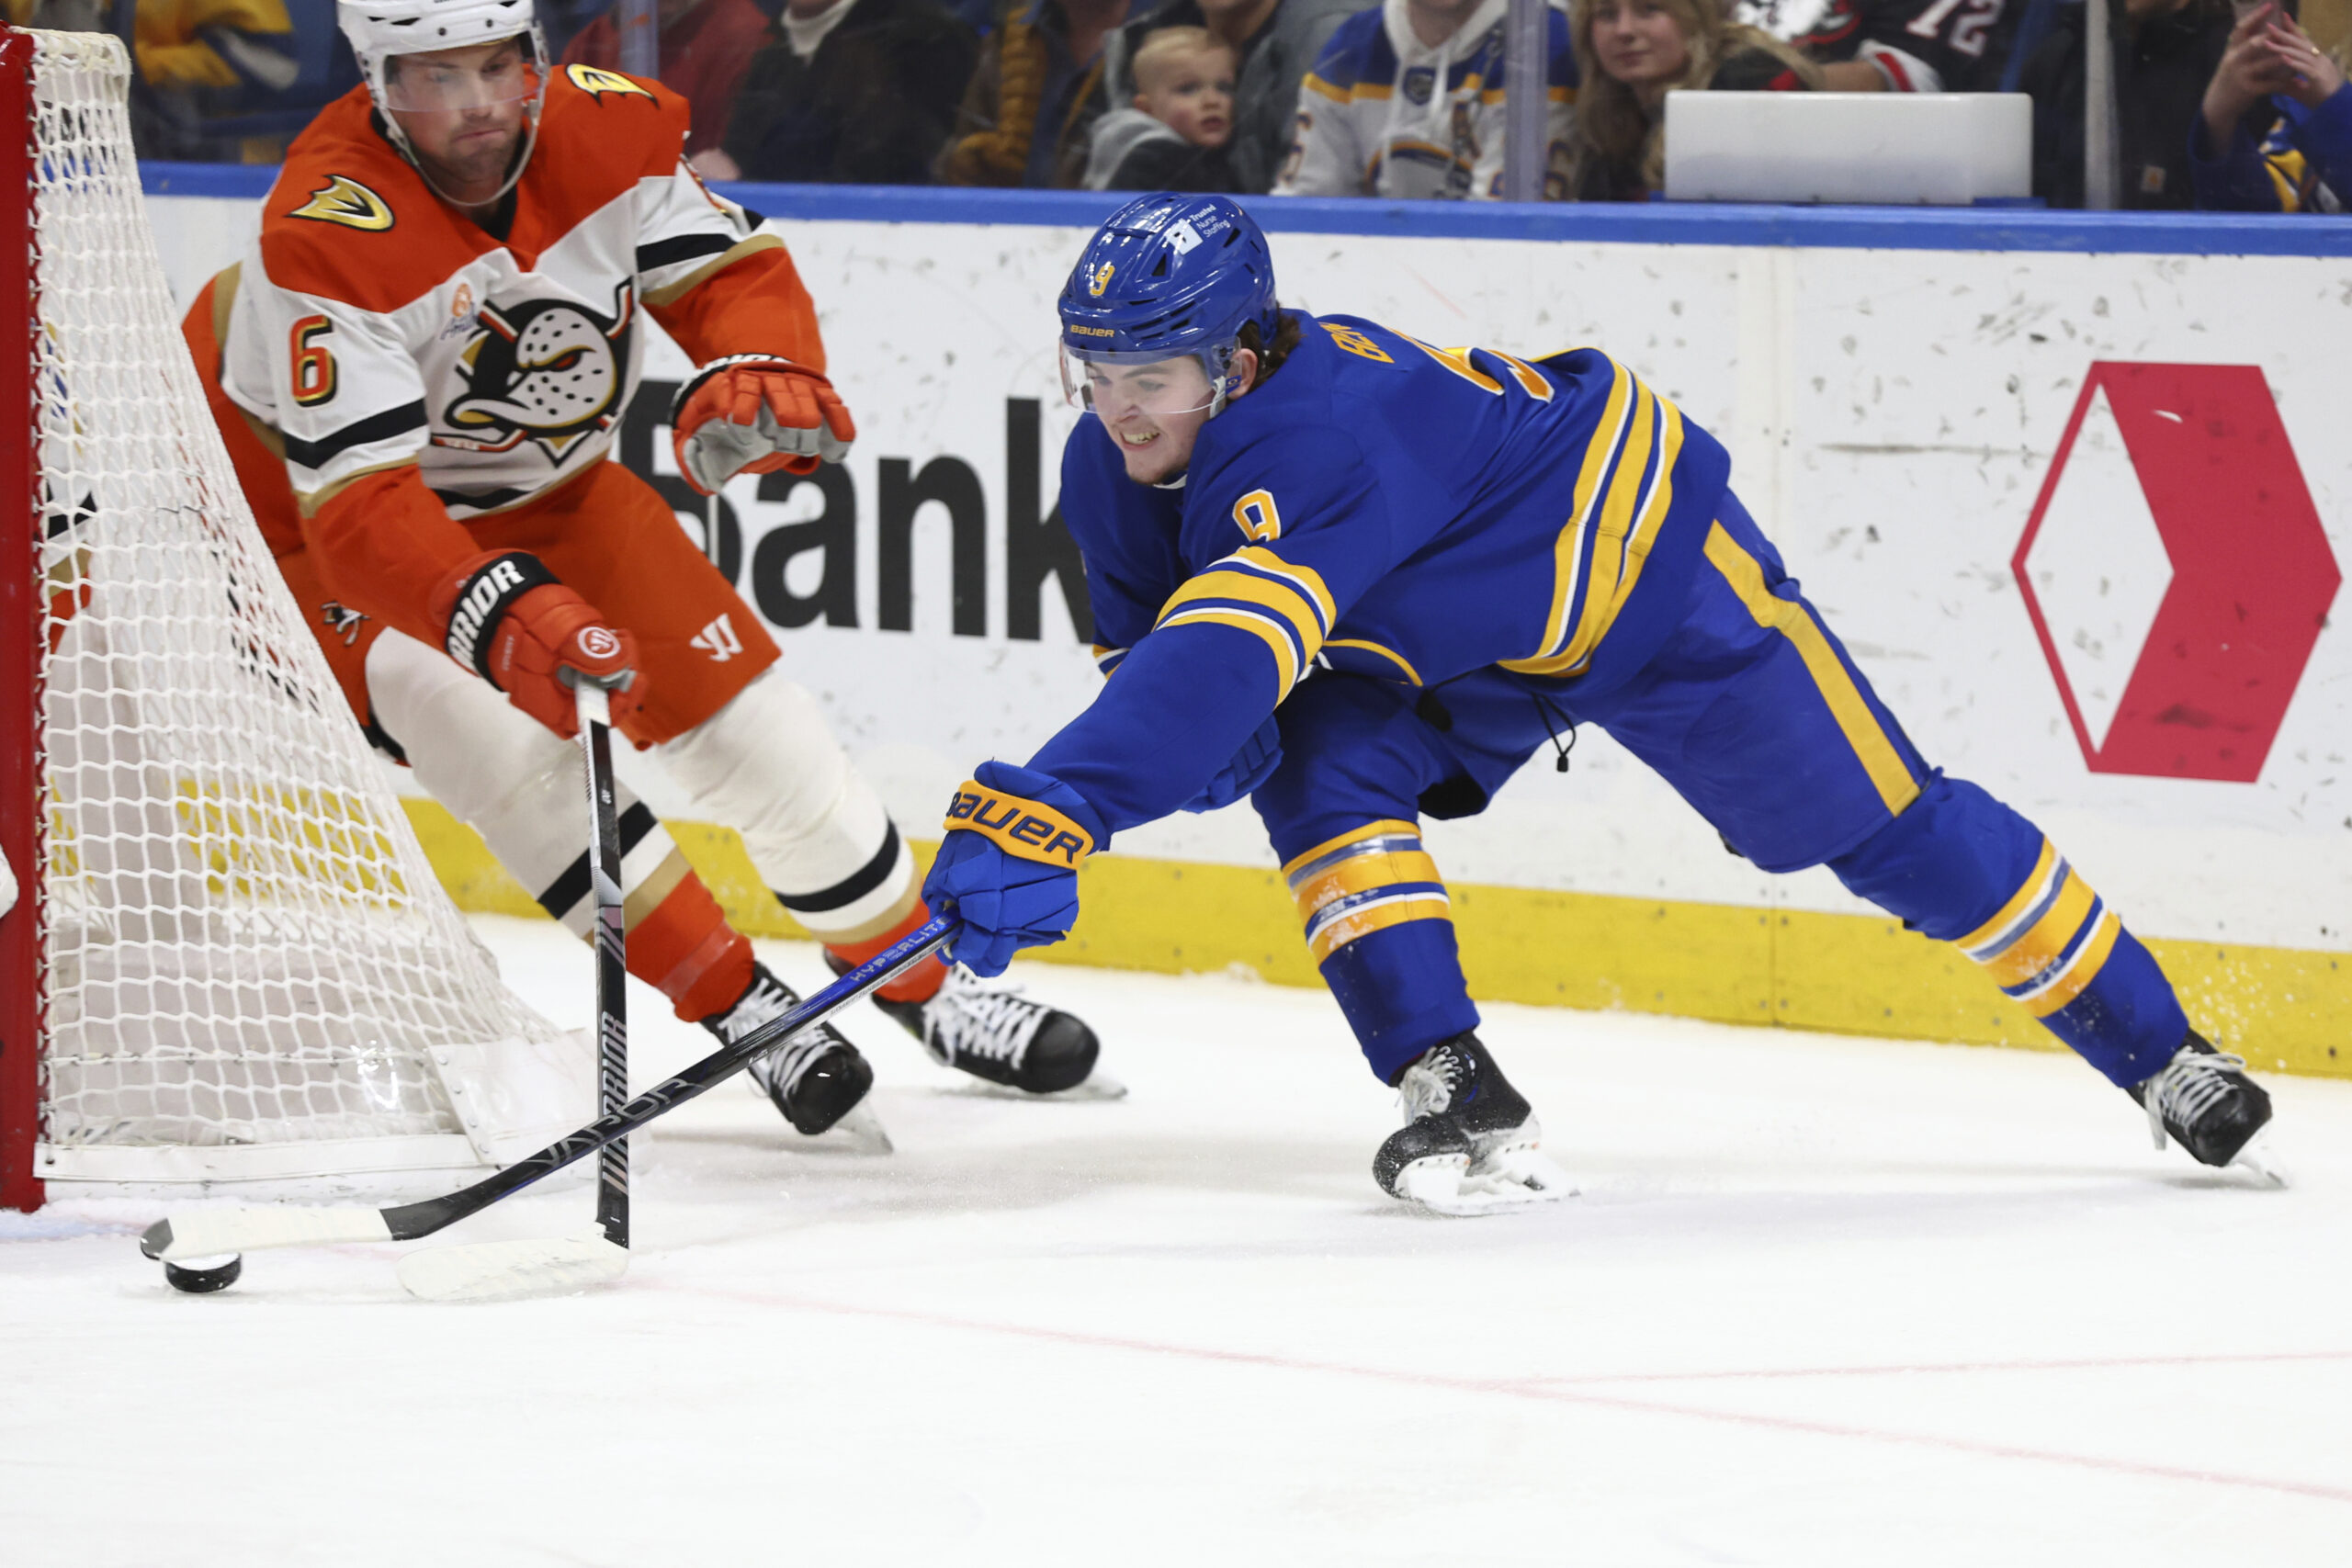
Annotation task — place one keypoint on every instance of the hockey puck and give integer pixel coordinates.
(204, 1276)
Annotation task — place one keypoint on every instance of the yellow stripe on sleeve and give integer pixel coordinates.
(1876, 752)
(1308, 580)
(1390, 654)
(1314, 83)
(1277, 598)
(1259, 626)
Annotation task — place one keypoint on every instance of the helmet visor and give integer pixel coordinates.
(1116, 383)
(436, 84)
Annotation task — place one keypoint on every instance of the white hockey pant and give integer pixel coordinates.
(521, 787)
(768, 765)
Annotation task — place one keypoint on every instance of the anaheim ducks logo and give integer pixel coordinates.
(345, 201)
(596, 82)
(547, 370)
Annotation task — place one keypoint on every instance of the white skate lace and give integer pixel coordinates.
(765, 1002)
(1429, 1084)
(972, 1019)
(2190, 1084)
(778, 1071)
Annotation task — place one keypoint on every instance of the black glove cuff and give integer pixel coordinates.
(488, 594)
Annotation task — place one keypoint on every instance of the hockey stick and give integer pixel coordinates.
(486, 1270)
(204, 1233)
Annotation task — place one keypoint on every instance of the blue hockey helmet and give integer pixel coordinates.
(1168, 276)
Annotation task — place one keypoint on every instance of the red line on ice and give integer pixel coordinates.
(1551, 1389)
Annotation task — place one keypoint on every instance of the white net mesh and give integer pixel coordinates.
(245, 948)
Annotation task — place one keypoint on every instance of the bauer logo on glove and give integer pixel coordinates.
(1021, 828)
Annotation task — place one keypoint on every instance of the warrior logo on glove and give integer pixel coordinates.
(548, 371)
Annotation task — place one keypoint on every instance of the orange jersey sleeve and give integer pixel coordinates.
(384, 545)
(752, 301)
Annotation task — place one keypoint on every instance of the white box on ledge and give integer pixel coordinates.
(1936, 148)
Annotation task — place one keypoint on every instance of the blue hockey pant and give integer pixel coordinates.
(1756, 716)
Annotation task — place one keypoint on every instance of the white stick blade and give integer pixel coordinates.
(505, 1271)
(210, 1232)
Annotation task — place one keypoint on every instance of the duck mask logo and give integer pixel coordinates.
(545, 370)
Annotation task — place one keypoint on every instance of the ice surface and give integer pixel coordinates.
(1822, 1302)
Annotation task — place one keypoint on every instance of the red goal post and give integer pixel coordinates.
(229, 966)
(20, 665)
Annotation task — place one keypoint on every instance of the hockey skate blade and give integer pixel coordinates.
(1511, 1179)
(859, 1131)
(210, 1232)
(507, 1270)
(2259, 1159)
(1094, 1086)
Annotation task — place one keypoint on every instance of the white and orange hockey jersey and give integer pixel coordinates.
(421, 371)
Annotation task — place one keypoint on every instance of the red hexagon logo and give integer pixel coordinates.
(2176, 570)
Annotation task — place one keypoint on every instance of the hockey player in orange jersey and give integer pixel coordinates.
(437, 333)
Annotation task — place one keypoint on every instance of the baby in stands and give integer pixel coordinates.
(1174, 135)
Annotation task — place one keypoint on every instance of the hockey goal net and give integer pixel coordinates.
(228, 961)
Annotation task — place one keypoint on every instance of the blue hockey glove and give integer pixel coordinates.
(1251, 766)
(1008, 866)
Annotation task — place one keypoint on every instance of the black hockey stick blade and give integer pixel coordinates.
(201, 1232)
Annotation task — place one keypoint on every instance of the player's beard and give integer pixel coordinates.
(474, 161)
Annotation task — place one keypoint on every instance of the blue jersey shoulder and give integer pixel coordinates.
(1358, 54)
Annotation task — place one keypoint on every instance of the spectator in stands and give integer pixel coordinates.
(1174, 135)
(1639, 51)
(221, 80)
(2276, 131)
(1029, 113)
(1275, 43)
(57, 16)
(858, 92)
(706, 47)
(1404, 102)
(1894, 46)
(2164, 54)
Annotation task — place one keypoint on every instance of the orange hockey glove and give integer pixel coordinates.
(513, 623)
(756, 413)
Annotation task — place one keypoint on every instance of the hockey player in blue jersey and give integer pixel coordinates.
(1362, 580)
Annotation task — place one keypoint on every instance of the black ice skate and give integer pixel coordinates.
(1468, 1145)
(2203, 1098)
(818, 1079)
(996, 1034)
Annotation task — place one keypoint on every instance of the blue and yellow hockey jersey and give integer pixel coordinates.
(1382, 506)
